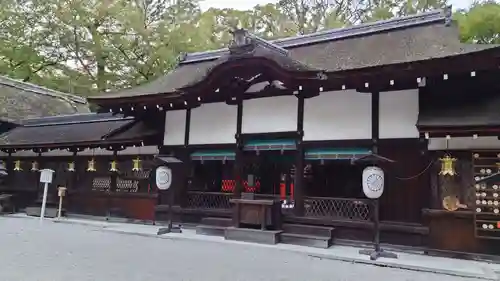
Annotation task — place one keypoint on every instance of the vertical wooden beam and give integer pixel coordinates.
(238, 163)
(187, 127)
(375, 120)
(299, 160)
(181, 196)
(114, 175)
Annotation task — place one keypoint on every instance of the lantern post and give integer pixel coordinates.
(373, 187)
(164, 183)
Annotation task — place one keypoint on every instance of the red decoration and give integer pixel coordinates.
(229, 185)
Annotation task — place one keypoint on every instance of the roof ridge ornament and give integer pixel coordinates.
(240, 38)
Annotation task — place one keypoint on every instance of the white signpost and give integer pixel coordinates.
(45, 178)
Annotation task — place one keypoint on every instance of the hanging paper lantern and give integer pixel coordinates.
(113, 166)
(447, 166)
(137, 164)
(34, 166)
(91, 165)
(71, 166)
(17, 165)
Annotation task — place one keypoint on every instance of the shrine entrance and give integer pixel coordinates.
(268, 168)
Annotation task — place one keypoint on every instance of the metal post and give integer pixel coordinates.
(170, 228)
(377, 252)
(60, 207)
(44, 202)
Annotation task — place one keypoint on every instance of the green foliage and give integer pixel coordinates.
(90, 46)
(480, 23)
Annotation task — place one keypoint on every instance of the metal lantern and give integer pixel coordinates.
(137, 164)
(447, 166)
(113, 166)
(34, 166)
(91, 165)
(71, 166)
(17, 165)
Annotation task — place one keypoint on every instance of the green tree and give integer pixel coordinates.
(480, 23)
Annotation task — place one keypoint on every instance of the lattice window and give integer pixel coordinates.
(101, 183)
(208, 200)
(353, 209)
(127, 185)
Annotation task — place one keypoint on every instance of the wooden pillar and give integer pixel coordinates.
(181, 195)
(238, 161)
(375, 120)
(74, 175)
(435, 187)
(114, 175)
(299, 161)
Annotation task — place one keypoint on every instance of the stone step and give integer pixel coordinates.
(210, 230)
(216, 221)
(306, 240)
(252, 235)
(312, 230)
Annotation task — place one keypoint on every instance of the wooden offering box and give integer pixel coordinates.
(266, 213)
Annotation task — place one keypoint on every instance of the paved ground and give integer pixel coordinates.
(64, 252)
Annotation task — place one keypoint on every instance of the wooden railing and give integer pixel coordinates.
(338, 208)
(208, 200)
(319, 207)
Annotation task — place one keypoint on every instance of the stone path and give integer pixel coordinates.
(77, 252)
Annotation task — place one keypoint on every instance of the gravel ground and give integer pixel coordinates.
(64, 252)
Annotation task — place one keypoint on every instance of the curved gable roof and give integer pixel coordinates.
(407, 39)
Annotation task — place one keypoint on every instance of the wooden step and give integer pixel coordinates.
(216, 221)
(320, 231)
(210, 230)
(252, 235)
(306, 240)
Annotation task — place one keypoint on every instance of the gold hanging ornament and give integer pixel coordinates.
(17, 165)
(71, 166)
(137, 164)
(91, 165)
(34, 166)
(113, 166)
(447, 166)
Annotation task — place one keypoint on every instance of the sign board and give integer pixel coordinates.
(373, 182)
(46, 175)
(163, 177)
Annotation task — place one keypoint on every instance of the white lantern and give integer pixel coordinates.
(373, 182)
(163, 177)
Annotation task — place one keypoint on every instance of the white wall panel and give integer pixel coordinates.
(464, 143)
(273, 114)
(213, 123)
(398, 113)
(339, 115)
(175, 126)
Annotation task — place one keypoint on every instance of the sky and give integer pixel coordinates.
(248, 4)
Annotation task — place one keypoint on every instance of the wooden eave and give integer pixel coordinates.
(459, 131)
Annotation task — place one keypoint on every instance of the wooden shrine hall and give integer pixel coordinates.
(268, 134)
(282, 121)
